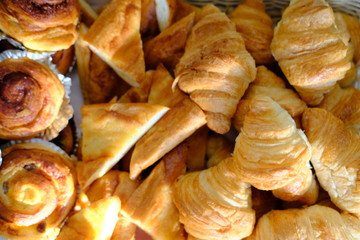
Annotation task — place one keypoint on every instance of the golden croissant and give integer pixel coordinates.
(314, 222)
(269, 84)
(215, 69)
(310, 49)
(256, 27)
(272, 154)
(41, 25)
(336, 157)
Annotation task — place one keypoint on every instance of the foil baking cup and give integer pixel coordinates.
(66, 110)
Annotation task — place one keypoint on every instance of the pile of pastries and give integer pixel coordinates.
(197, 124)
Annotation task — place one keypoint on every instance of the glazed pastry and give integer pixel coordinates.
(214, 203)
(96, 221)
(115, 183)
(269, 84)
(31, 97)
(67, 138)
(169, 45)
(141, 93)
(163, 136)
(256, 27)
(115, 38)
(312, 56)
(98, 81)
(336, 154)
(314, 222)
(41, 25)
(344, 103)
(38, 191)
(218, 148)
(165, 13)
(271, 153)
(215, 69)
(64, 59)
(109, 130)
(150, 206)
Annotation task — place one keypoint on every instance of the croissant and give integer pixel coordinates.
(150, 206)
(214, 203)
(215, 69)
(314, 222)
(197, 149)
(218, 148)
(336, 154)
(30, 98)
(115, 38)
(310, 49)
(102, 144)
(256, 27)
(115, 183)
(98, 81)
(269, 84)
(353, 26)
(38, 191)
(96, 221)
(41, 25)
(344, 103)
(272, 154)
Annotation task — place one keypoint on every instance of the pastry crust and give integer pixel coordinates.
(115, 38)
(31, 97)
(109, 131)
(38, 191)
(215, 69)
(41, 25)
(310, 48)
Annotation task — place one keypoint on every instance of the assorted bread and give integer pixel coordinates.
(197, 123)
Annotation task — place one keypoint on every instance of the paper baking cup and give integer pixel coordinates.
(66, 110)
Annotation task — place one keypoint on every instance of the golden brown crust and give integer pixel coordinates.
(312, 56)
(38, 191)
(41, 25)
(215, 69)
(31, 97)
(115, 37)
(64, 59)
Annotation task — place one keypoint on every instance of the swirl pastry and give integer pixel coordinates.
(272, 154)
(310, 48)
(336, 157)
(41, 25)
(315, 222)
(215, 69)
(256, 27)
(30, 98)
(37, 191)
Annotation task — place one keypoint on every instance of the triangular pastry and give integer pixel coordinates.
(94, 222)
(109, 131)
(115, 37)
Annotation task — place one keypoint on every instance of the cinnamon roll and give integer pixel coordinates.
(30, 98)
(37, 191)
(41, 25)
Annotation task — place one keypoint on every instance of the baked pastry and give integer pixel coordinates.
(353, 26)
(96, 221)
(263, 202)
(272, 154)
(214, 203)
(31, 97)
(38, 191)
(41, 25)
(165, 13)
(256, 27)
(197, 149)
(64, 59)
(314, 222)
(218, 148)
(150, 206)
(140, 93)
(148, 24)
(168, 47)
(164, 136)
(102, 144)
(115, 38)
(215, 69)
(87, 14)
(269, 84)
(336, 154)
(115, 183)
(312, 56)
(344, 103)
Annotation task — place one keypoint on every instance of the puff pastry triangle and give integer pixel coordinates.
(109, 131)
